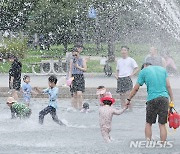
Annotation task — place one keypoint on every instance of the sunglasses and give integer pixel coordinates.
(75, 55)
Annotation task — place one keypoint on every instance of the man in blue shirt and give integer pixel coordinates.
(52, 91)
(159, 91)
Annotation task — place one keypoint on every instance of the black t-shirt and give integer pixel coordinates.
(15, 71)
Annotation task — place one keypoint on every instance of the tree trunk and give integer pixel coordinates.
(111, 49)
(97, 46)
(97, 34)
(65, 44)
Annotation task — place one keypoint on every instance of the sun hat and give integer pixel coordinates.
(106, 98)
(10, 100)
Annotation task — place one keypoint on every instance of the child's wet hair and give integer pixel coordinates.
(86, 106)
(25, 77)
(52, 79)
(106, 102)
(100, 87)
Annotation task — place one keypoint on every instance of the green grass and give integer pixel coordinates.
(94, 66)
(137, 51)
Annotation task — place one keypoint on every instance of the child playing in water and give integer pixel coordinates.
(27, 89)
(17, 109)
(102, 92)
(85, 108)
(106, 113)
(52, 91)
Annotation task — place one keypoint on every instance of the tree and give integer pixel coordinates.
(125, 21)
(14, 13)
(62, 18)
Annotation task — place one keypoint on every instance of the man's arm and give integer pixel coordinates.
(133, 92)
(117, 74)
(168, 85)
(117, 71)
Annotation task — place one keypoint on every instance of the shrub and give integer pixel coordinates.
(15, 46)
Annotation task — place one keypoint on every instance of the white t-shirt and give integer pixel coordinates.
(126, 66)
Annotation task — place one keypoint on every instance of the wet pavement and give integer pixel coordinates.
(84, 137)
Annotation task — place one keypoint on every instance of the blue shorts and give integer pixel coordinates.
(27, 99)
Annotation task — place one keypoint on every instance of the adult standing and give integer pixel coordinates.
(170, 64)
(77, 68)
(79, 48)
(154, 58)
(126, 68)
(15, 76)
(159, 90)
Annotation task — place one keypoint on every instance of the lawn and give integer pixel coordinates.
(137, 51)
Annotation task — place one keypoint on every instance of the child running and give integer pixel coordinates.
(106, 113)
(52, 91)
(17, 109)
(27, 89)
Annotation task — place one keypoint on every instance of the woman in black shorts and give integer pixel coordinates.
(77, 68)
(15, 76)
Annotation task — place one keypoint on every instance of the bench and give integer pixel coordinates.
(46, 67)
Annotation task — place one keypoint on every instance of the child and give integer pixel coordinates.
(106, 113)
(102, 92)
(52, 91)
(27, 89)
(85, 108)
(17, 109)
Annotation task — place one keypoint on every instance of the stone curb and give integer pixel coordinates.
(85, 74)
(90, 93)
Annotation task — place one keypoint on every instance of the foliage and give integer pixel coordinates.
(125, 21)
(137, 51)
(14, 13)
(15, 46)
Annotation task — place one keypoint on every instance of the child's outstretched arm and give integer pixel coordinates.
(34, 91)
(44, 91)
(118, 112)
(38, 89)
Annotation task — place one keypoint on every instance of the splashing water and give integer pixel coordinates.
(165, 13)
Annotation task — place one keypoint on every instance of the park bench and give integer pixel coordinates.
(52, 65)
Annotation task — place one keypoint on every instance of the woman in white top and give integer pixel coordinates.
(126, 68)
